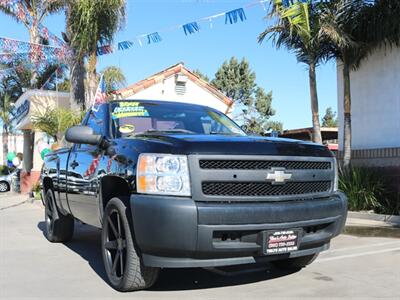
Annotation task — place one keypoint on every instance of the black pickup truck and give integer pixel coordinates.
(175, 185)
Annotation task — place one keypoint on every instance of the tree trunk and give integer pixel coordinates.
(28, 150)
(76, 63)
(5, 145)
(77, 75)
(314, 105)
(34, 38)
(347, 117)
(92, 79)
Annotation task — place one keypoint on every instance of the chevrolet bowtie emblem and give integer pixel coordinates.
(278, 176)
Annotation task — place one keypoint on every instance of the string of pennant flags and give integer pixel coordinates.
(24, 15)
(231, 17)
(14, 52)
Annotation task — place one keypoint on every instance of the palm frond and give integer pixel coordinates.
(54, 6)
(114, 78)
(92, 23)
(50, 7)
(295, 28)
(4, 9)
(5, 105)
(54, 121)
(353, 29)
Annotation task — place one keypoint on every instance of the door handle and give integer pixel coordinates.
(74, 164)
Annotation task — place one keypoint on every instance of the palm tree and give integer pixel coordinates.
(354, 29)
(11, 88)
(15, 83)
(297, 28)
(38, 10)
(90, 24)
(55, 121)
(5, 118)
(114, 78)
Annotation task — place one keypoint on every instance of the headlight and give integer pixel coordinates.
(336, 179)
(163, 174)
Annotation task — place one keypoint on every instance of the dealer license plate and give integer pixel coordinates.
(282, 241)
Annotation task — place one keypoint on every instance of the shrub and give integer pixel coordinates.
(55, 121)
(36, 189)
(367, 189)
(390, 204)
(364, 188)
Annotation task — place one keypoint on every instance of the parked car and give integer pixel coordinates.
(175, 185)
(5, 179)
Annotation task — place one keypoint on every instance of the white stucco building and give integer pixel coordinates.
(375, 111)
(177, 83)
(29, 104)
(15, 144)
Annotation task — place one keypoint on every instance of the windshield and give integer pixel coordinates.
(135, 117)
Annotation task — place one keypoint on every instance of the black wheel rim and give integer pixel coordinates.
(49, 214)
(114, 246)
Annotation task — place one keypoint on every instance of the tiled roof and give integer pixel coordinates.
(175, 69)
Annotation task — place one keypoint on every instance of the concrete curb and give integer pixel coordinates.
(391, 220)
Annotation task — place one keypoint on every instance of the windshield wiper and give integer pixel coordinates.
(224, 133)
(176, 130)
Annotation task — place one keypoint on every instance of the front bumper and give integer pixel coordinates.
(174, 232)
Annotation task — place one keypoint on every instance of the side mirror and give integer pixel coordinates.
(83, 135)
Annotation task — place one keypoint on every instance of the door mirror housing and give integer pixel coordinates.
(83, 135)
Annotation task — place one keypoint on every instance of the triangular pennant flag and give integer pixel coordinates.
(190, 28)
(153, 38)
(124, 45)
(233, 16)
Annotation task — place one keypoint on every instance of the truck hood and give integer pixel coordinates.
(223, 144)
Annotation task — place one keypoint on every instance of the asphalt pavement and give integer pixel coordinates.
(356, 267)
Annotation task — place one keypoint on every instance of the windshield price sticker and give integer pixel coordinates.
(279, 242)
(129, 109)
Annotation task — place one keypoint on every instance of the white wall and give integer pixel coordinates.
(194, 94)
(375, 91)
(40, 100)
(15, 144)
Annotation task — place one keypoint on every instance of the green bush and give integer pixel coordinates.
(363, 188)
(366, 190)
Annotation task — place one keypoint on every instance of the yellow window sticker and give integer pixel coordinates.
(127, 128)
(128, 103)
(129, 109)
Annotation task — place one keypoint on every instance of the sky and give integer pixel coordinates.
(276, 70)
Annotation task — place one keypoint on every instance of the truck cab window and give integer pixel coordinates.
(131, 118)
(95, 120)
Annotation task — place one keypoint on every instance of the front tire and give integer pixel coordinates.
(4, 187)
(124, 268)
(295, 263)
(59, 228)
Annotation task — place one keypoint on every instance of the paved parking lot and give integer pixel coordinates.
(31, 267)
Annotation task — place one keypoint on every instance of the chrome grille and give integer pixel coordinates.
(264, 188)
(263, 164)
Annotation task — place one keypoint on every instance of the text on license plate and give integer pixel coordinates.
(284, 241)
